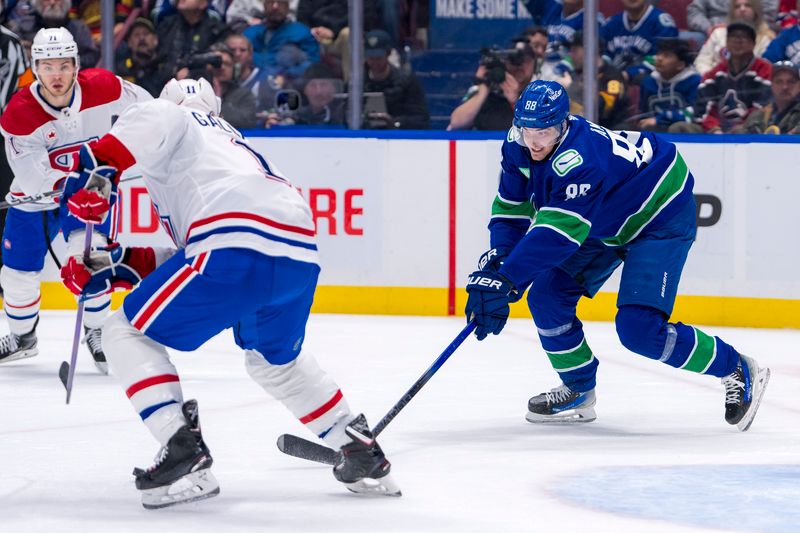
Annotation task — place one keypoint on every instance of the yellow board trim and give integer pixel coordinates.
(708, 310)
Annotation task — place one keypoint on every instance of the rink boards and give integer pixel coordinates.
(402, 220)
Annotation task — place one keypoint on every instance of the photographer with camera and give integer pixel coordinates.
(500, 79)
(238, 103)
(186, 38)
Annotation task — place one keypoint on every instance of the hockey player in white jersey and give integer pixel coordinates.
(44, 125)
(246, 259)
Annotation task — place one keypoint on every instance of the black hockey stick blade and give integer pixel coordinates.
(63, 373)
(305, 449)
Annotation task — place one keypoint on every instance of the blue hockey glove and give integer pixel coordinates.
(492, 260)
(487, 303)
(88, 190)
(109, 268)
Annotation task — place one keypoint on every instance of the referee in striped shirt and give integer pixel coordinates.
(14, 73)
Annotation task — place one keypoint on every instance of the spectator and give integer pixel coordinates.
(544, 12)
(734, 88)
(52, 14)
(704, 15)
(328, 20)
(611, 100)
(489, 105)
(238, 103)
(782, 115)
(785, 47)
(631, 37)
(405, 99)
(323, 109)
(281, 46)
(244, 13)
(165, 8)
(246, 74)
(562, 34)
(89, 11)
(139, 61)
(669, 94)
(537, 38)
(187, 36)
(713, 49)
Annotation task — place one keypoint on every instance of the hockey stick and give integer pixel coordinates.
(306, 449)
(67, 370)
(16, 201)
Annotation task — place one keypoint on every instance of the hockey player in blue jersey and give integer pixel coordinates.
(576, 201)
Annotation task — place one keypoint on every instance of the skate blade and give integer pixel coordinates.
(759, 387)
(102, 367)
(570, 416)
(385, 486)
(190, 488)
(24, 354)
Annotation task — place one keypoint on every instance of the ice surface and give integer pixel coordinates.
(660, 456)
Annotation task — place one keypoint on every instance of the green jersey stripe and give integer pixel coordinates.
(668, 187)
(502, 208)
(571, 359)
(571, 225)
(705, 349)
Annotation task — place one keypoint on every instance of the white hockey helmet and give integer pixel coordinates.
(54, 43)
(196, 94)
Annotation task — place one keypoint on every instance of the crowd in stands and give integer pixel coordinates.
(733, 68)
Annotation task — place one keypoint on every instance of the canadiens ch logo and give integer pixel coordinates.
(61, 156)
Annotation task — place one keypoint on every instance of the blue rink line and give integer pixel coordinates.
(736, 497)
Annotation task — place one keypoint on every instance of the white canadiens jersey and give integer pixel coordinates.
(40, 139)
(210, 188)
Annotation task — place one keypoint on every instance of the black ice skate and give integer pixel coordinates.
(744, 389)
(561, 406)
(361, 464)
(182, 471)
(14, 347)
(92, 339)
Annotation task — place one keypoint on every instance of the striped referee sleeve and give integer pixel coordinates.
(13, 64)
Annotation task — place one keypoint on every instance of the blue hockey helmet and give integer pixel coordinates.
(541, 105)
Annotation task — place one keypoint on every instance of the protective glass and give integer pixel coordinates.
(538, 138)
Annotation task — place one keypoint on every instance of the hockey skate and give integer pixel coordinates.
(561, 406)
(361, 464)
(92, 339)
(14, 347)
(182, 469)
(744, 389)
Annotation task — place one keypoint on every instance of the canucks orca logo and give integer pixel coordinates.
(61, 156)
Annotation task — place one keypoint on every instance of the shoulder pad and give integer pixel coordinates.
(98, 87)
(24, 114)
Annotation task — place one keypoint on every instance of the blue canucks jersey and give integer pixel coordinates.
(561, 33)
(597, 184)
(785, 47)
(631, 46)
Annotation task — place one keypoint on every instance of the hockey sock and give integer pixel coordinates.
(148, 376)
(96, 310)
(570, 355)
(646, 331)
(307, 391)
(21, 298)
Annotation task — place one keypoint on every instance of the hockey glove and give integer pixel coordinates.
(492, 260)
(88, 190)
(108, 268)
(489, 294)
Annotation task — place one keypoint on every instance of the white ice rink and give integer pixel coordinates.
(660, 456)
